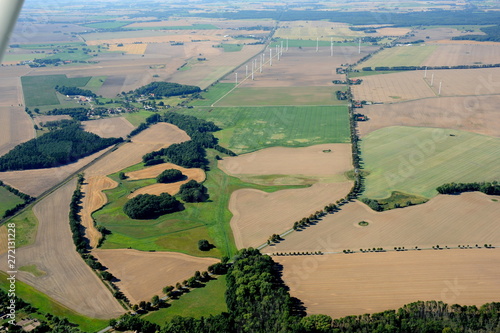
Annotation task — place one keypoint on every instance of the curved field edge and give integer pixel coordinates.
(180, 231)
(47, 305)
(416, 160)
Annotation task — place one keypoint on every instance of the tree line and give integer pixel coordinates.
(80, 114)
(420, 68)
(490, 188)
(27, 199)
(492, 35)
(166, 89)
(74, 91)
(55, 148)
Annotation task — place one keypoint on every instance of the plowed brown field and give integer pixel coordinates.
(445, 220)
(277, 211)
(68, 280)
(355, 284)
(115, 127)
(133, 268)
(94, 199)
(474, 114)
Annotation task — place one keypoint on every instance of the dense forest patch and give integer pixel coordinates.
(167, 89)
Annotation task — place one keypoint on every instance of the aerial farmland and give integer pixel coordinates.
(154, 157)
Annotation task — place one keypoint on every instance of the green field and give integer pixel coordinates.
(200, 302)
(8, 200)
(213, 94)
(180, 27)
(276, 96)
(39, 90)
(136, 118)
(231, 47)
(26, 228)
(417, 160)
(46, 305)
(247, 129)
(179, 231)
(50, 45)
(22, 57)
(400, 56)
(95, 83)
(107, 25)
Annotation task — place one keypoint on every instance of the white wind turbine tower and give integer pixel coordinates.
(236, 74)
(440, 84)
(425, 73)
(359, 47)
(432, 79)
(287, 44)
(317, 44)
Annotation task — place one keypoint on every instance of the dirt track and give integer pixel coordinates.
(144, 274)
(68, 280)
(355, 284)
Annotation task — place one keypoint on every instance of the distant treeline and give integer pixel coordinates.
(54, 149)
(74, 91)
(491, 188)
(432, 17)
(189, 154)
(167, 89)
(80, 114)
(492, 35)
(419, 68)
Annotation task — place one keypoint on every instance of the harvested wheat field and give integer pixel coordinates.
(476, 114)
(35, 182)
(314, 29)
(93, 199)
(301, 67)
(411, 85)
(162, 37)
(463, 54)
(444, 34)
(109, 127)
(156, 137)
(144, 274)
(355, 284)
(320, 161)
(3, 239)
(68, 280)
(172, 188)
(277, 211)
(15, 127)
(392, 31)
(130, 48)
(445, 220)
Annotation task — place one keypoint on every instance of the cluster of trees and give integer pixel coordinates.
(57, 124)
(167, 89)
(422, 316)
(54, 149)
(373, 204)
(27, 199)
(491, 188)
(437, 17)
(148, 206)
(189, 154)
(492, 35)
(74, 91)
(80, 114)
(342, 95)
(170, 176)
(193, 191)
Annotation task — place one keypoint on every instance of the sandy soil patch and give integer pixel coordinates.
(445, 220)
(315, 161)
(411, 85)
(393, 31)
(15, 127)
(130, 48)
(277, 211)
(44, 118)
(68, 280)
(464, 54)
(35, 182)
(355, 284)
(109, 127)
(172, 188)
(156, 137)
(474, 114)
(161, 269)
(94, 199)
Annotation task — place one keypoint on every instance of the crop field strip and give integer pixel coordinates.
(355, 284)
(417, 160)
